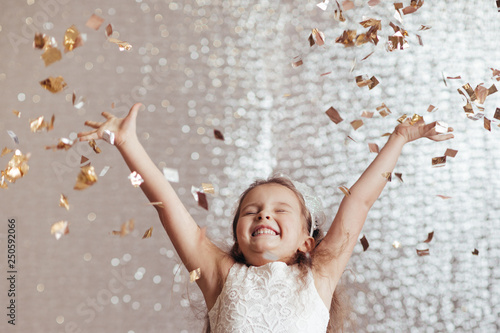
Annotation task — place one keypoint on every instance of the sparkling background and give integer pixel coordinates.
(210, 64)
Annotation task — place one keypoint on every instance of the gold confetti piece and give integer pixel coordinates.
(86, 177)
(202, 200)
(345, 190)
(475, 252)
(386, 134)
(194, 275)
(53, 84)
(287, 95)
(356, 123)
(349, 137)
(420, 42)
(323, 5)
(383, 110)
(491, 90)
(218, 135)
(94, 22)
(39, 124)
(109, 137)
(72, 39)
(93, 144)
(373, 148)
(84, 161)
(396, 42)
(39, 41)
(17, 113)
(17, 167)
(334, 115)
(347, 5)
(121, 44)
(422, 253)
(208, 188)
(454, 77)
(481, 93)
(396, 244)
(5, 151)
(135, 179)
(367, 114)
(432, 108)
(310, 39)
(487, 124)
(469, 91)
(371, 35)
(63, 202)
(372, 3)
(125, 229)
(451, 152)
(51, 55)
(148, 233)
(362, 80)
(399, 176)
(3, 180)
(353, 65)
(444, 197)
(402, 119)
(324, 74)
(438, 161)
(429, 237)
(318, 36)
(364, 242)
(13, 136)
(366, 57)
(297, 61)
(78, 104)
(109, 30)
(388, 176)
(495, 74)
(497, 114)
(59, 229)
(418, 118)
(413, 7)
(347, 38)
(62, 144)
(338, 15)
(424, 27)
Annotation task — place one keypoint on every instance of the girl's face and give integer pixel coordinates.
(271, 226)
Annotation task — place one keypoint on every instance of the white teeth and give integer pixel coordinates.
(264, 231)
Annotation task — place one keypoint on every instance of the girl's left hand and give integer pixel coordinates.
(421, 130)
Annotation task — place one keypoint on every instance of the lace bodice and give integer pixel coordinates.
(268, 298)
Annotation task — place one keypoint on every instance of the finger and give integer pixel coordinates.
(450, 129)
(442, 137)
(93, 124)
(134, 110)
(85, 133)
(92, 136)
(107, 115)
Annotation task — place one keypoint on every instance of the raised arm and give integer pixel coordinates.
(194, 249)
(348, 223)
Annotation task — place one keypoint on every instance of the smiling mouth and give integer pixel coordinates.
(264, 231)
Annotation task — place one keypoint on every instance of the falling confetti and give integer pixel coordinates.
(40, 124)
(148, 233)
(218, 135)
(53, 84)
(51, 55)
(72, 39)
(17, 113)
(135, 179)
(86, 177)
(94, 22)
(333, 115)
(396, 244)
(438, 161)
(104, 171)
(5, 151)
(121, 44)
(297, 61)
(195, 275)
(373, 148)
(356, 124)
(399, 176)
(125, 229)
(451, 152)
(13, 136)
(172, 175)
(388, 176)
(429, 237)
(363, 80)
(59, 229)
(63, 202)
(94, 146)
(444, 197)
(208, 188)
(383, 110)
(17, 167)
(323, 5)
(109, 137)
(422, 253)
(345, 190)
(364, 242)
(475, 252)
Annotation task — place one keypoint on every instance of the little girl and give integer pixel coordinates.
(281, 273)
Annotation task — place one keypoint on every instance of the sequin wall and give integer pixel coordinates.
(246, 69)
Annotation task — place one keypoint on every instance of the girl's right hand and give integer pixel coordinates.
(123, 128)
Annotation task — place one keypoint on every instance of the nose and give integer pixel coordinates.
(267, 217)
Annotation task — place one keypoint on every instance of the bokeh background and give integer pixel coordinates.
(205, 65)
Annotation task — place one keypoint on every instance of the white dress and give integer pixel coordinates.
(268, 298)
